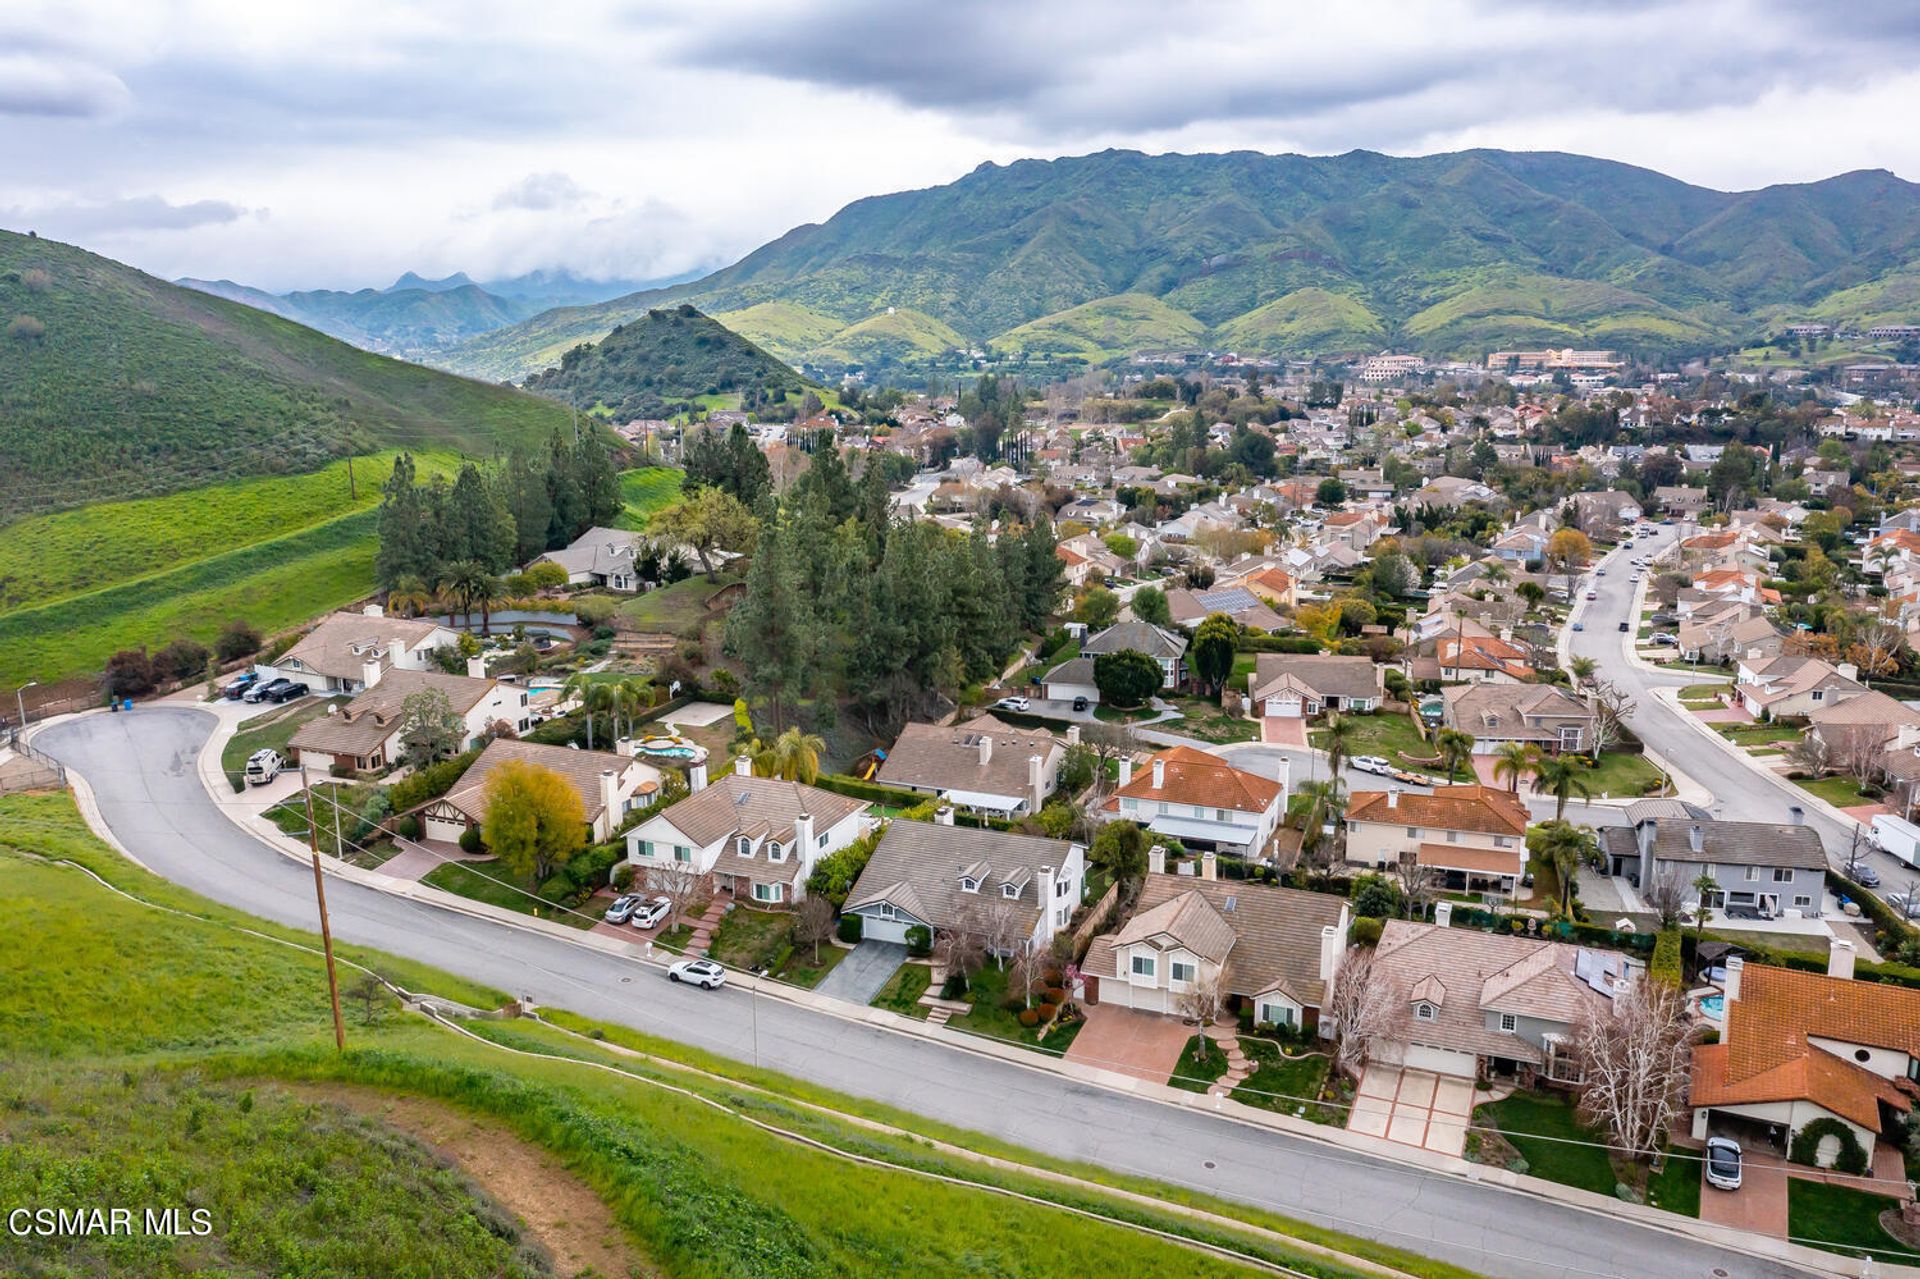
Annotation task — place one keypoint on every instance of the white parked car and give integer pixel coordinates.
(1723, 1163)
(1371, 764)
(1663, 637)
(698, 972)
(263, 766)
(1593, 595)
(649, 914)
(1011, 704)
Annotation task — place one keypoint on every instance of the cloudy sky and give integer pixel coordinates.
(339, 144)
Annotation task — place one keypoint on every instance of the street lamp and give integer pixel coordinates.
(20, 700)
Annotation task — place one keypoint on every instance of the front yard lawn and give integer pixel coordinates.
(1385, 733)
(1287, 1085)
(271, 731)
(1841, 792)
(1546, 1132)
(750, 939)
(1842, 1219)
(1757, 734)
(495, 885)
(1209, 723)
(1621, 773)
(802, 971)
(1201, 1062)
(1704, 692)
(988, 990)
(345, 815)
(1676, 1187)
(902, 992)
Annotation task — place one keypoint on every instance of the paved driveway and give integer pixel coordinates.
(1284, 730)
(859, 977)
(1759, 1206)
(1144, 1045)
(1414, 1108)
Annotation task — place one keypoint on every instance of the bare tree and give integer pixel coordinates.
(1416, 885)
(1611, 706)
(1109, 742)
(1201, 1002)
(371, 994)
(1812, 754)
(813, 923)
(1361, 1008)
(1635, 1055)
(678, 882)
(1859, 749)
(1025, 974)
(959, 948)
(999, 927)
(1668, 898)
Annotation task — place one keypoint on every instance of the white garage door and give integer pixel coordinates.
(1441, 1061)
(874, 928)
(1286, 707)
(437, 828)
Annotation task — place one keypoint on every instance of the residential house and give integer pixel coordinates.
(1478, 1005)
(1794, 687)
(1469, 839)
(1541, 715)
(1821, 483)
(1190, 608)
(1264, 578)
(1076, 568)
(1356, 530)
(1013, 891)
(1797, 1048)
(1450, 492)
(1606, 511)
(346, 652)
(1202, 801)
(604, 557)
(1164, 646)
(1868, 720)
(756, 838)
(1680, 500)
(1070, 681)
(609, 783)
(364, 735)
(1273, 950)
(1720, 630)
(983, 765)
(1762, 869)
(1301, 685)
(1467, 654)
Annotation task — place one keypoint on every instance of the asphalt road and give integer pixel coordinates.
(1740, 792)
(141, 768)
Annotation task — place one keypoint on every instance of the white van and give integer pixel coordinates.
(263, 766)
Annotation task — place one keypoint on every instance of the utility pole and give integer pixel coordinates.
(326, 933)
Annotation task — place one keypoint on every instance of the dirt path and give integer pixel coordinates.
(556, 1209)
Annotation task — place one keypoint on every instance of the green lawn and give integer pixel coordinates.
(645, 491)
(680, 609)
(494, 884)
(989, 988)
(1382, 733)
(750, 938)
(1842, 1219)
(1546, 1132)
(902, 992)
(1619, 773)
(1841, 792)
(1201, 1062)
(801, 970)
(1758, 734)
(1209, 723)
(1676, 1187)
(269, 731)
(1704, 692)
(1287, 1085)
(345, 819)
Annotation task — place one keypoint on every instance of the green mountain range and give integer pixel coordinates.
(1099, 255)
(667, 355)
(115, 384)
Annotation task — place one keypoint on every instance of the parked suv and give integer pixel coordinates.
(239, 684)
(286, 690)
(263, 690)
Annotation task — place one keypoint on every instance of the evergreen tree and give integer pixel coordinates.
(827, 476)
(404, 549)
(568, 504)
(751, 477)
(1046, 578)
(599, 482)
(770, 629)
(531, 505)
(479, 524)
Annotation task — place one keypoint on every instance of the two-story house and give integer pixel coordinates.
(1202, 801)
(983, 765)
(339, 654)
(754, 837)
(1800, 1048)
(1542, 715)
(1013, 891)
(1761, 869)
(1166, 647)
(1794, 687)
(1469, 839)
(366, 734)
(1275, 950)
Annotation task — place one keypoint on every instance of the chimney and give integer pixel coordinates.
(1159, 773)
(1393, 797)
(803, 837)
(396, 653)
(623, 746)
(1046, 890)
(742, 766)
(1443, 915)
(610, 796)
(476, 667)
(1036, 783)
(986, 749)
(370, 671)
(943, 815)
(1073, 734)
(1847, 670)
(1731, 987)
(1126, 769)
(697, 779)
(1840, 959)
(1157, 860)
(1333, 941)
(1796, 816)
(1695, 840)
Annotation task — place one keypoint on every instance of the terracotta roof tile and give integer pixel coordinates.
(1194, 777)
(1477, 808)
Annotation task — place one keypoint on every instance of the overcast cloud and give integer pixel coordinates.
(341, 144)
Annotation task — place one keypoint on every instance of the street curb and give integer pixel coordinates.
(1801, 795)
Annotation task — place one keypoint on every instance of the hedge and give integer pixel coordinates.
(850, 927)
(872, 792)
(1278, 644)
(430, 782)
(1806, 1146)
(1665, 967)
(1883, 915)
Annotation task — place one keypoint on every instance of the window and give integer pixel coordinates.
(1163, 808)
(1424, 1011)
(743, 846)
(1183, 971)
(1803, 901)
(681, 853)
(1753, 873)
(1143, 965)
(1453, 837)
(1818, 695)
(1009, 890)
(1509, 1022)
(1783, 874)
(1413, 832)
(821, 842)
(767, 892)
(968, 884)
(886, 910)
(1503, 841)
(776, 852)
(646, 848)
(1131, 805)
(1276, 1014)
(1220, 815)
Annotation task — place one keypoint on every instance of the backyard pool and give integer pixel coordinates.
(675, 748)
(1713, 1007)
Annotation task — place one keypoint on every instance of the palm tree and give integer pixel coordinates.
(602, 698)
(1564, 847)
(1322, 799)
(1455, 748)
(1559, 776)
(1340, 732)
(409, 595)
(486, 591)
(795, 756)
(459, 581)
(1495, 573)
(1512, 761)
(631, 697)
(1582, 669)
(1703, 884)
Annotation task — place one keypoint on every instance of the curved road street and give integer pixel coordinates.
(141, 768)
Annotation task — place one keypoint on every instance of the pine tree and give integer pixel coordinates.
(479, 523)
(403, 550)
(531, 505)
(771, 629)
(599, 482)
(1046, 576)
(568, 503)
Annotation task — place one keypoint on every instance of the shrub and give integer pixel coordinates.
(430, 782)
(1806, 1146)
(237, 639)
(592, 866)
(182, 659)
(26, 328)
(1365, 932)
(1665, 965)
(130, 673)
(1375, 896)
(954, 987)
(919, 941)
(592, 610)
(726, 683)
(470, 840)
(622, 877)
(1054, 995)
(559, 887)
(1048, 1011)
(1029, 1017)
(850, 928)
(407, 827)
(741, 719)
(834, 875)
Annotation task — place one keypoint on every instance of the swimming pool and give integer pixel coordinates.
(1713, 1007)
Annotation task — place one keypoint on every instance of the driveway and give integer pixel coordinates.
(141, 768)
(1284, 730)
(1759, 1206)
(1414, 1108)
(1144, 1045)
(859, 977)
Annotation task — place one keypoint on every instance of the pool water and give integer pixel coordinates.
(1714, 1007)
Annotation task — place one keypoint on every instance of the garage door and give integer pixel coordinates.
(439, 828)
(883, 929)
(1288, 707)
(1441, 1061)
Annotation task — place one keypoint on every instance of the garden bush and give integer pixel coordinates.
(408, 827)
(954, 987)
(1048, 1011)
(1365, 932)
(430, 782)
(1029, 1017)
(1665, 966)
(559, 887)
(1054, 995)
(919, 941)
(470, 842)
(1806, 1146)
(849, 928)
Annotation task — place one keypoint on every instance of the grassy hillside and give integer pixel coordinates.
(895, 335)
(785, 329)
(1219, 236)
(645, 491)
(1105, 328)
(167, 1056)
(666, 356)
(114, 384)
(1310, 319)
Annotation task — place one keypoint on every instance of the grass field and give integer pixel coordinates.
(494, 884)
(1287, 1084)
(1841, 792)
(1620, 773)
(645, 491)
(1546, 1132)
(215, 1036)
(1382, 733)
(679, 609)
(1842, 1219)
(902, 992)
(1201, 1062)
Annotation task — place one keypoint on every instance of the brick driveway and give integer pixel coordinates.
(1414, 1108)
(1144, 1045)
(1283, 730)
(1759, 1206)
